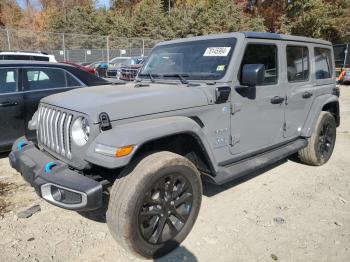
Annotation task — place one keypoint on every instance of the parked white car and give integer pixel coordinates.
(18, 55)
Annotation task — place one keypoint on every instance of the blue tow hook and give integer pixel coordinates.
(49, 166)
(21, 144)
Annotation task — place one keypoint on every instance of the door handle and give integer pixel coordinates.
(8, 103)
(277, 100)
(307, 95)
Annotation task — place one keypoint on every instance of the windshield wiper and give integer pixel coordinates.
(180, 76)
(151, 76)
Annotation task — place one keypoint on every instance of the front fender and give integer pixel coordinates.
(315, 111)
(138, 133)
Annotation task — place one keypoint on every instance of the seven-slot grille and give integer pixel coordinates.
(54, 130)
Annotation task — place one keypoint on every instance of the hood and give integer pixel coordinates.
(131, 66)
(112, 68)
(126, 101)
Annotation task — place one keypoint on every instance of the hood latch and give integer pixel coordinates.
(105, 123)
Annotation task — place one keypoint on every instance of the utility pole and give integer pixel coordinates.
(64, 47)
(169, 6)
(8, 38)
(107, 38)
(346, 52)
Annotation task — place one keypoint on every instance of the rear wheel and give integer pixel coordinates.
(154, 206)
(321, 142)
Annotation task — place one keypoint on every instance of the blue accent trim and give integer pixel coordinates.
(49, 166)
(21, 144)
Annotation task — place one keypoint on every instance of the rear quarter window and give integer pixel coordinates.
(323, 63)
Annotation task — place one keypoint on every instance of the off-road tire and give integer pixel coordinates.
(311, 154)
(127, 197)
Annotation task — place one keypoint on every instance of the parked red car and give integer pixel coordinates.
(86, 69)
(129, 72)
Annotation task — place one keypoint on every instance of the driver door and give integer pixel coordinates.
(257, 121)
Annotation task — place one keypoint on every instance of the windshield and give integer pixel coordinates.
(136, 61)
(119, 61)
(195, 60)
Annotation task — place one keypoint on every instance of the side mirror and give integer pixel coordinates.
(253, 74)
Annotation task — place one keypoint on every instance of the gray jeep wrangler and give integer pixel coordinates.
(212, 107)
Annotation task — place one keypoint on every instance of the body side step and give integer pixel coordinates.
(246, 166)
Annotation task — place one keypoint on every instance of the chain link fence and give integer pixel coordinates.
(76, 48)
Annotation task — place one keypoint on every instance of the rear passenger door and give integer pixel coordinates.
(300, 85)
(310, 74)
(11, 107)
(40, 82)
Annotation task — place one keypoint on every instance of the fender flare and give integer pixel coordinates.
(315, 111)
(141, 132)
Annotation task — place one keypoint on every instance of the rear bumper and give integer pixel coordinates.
(53, 180)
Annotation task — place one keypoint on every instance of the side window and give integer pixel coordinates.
(8, 80)
(16, 57)
(40, 58)
(323, 63)
(72, 82)
(297, 63)
(262, 54)
(44, 78)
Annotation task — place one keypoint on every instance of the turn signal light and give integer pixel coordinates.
(124, 151)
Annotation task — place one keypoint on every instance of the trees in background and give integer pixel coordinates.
(328, 19)
(10, 13)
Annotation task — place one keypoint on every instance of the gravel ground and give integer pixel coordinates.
(292, 212)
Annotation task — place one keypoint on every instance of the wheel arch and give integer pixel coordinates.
(187, 144)
(329, 103)
(168, 134)
(333, 108)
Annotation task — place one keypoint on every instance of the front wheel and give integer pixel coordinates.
(321, 142)
(153, 207)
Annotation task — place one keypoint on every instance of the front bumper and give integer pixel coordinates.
(113, 73)
(53, 180)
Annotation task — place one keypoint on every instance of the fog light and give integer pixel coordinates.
(65, 196)
(57, 193)
(62, 196)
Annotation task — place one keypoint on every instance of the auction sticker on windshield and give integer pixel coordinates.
(217, 51)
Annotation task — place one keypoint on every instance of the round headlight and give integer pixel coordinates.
(80, 131)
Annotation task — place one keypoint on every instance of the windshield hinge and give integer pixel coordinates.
(234, 139)
(235, 107)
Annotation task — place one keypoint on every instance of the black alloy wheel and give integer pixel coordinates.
(326, 139)
(154, 204)
(322, 141)
(166, 208)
